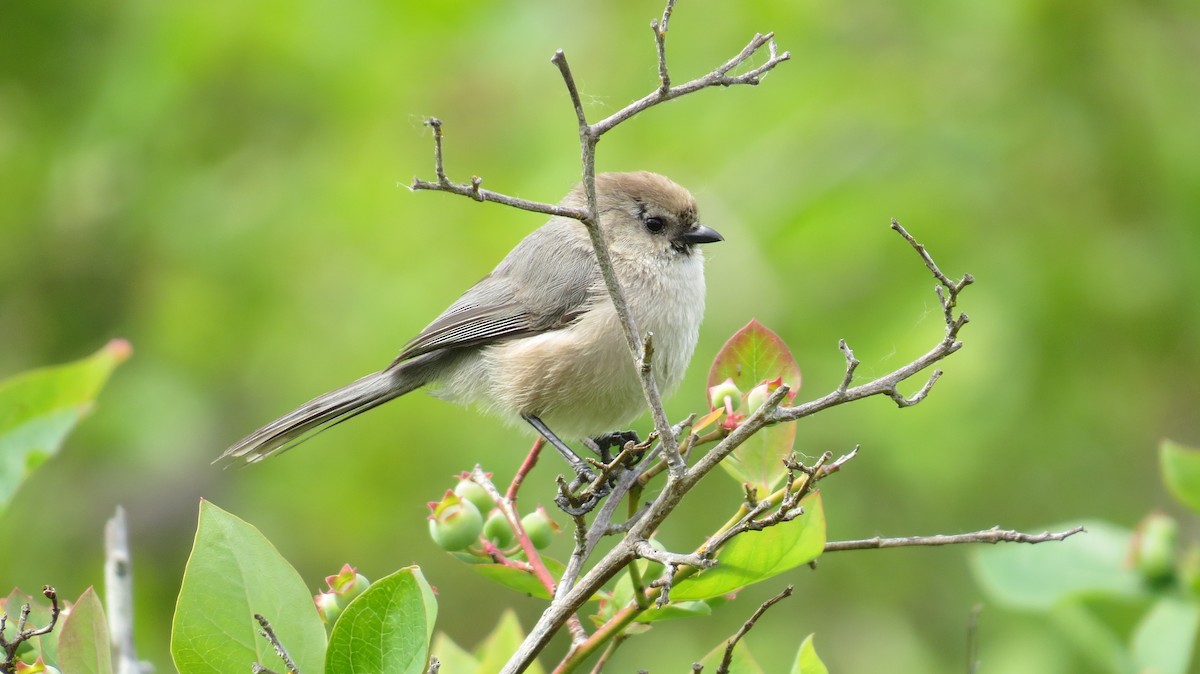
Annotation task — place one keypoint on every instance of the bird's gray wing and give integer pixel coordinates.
(543, 284)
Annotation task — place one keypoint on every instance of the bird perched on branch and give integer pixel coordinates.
(539, 339)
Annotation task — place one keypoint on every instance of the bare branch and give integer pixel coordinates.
(718, 77)
(21, 634)
(851, 365)
(993, 536)
(671, 562)
(560, 59)
(439, 166)
(886, 385)
(917, 397)
(660, 41)
(723, 668)
(954, 287)
(473, 189)
(647, 551)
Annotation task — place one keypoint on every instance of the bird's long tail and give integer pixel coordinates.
(322, 412)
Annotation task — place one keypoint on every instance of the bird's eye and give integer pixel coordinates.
(655, 224)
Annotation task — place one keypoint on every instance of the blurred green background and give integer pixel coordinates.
(217, 182)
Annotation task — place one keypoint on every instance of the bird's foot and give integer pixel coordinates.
(604, 443)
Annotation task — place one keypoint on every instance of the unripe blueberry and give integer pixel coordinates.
(327, 607)
(539, 527)
(1154, 547)
(471, 491)
(497, 529)
(347, 584)
(455, 522)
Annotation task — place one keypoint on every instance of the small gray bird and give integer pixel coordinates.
(538, 339)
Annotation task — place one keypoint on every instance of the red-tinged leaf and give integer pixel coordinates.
(753, 356)
(83, 642)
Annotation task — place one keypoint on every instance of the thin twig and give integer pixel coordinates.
(269, 634)
(887, 384)
(993, 536)
(723, 668)
(788, 509)
(21, 634)
(660, 41)
(717, 78)
(560, 60)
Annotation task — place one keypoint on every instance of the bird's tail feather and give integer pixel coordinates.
(321, 413)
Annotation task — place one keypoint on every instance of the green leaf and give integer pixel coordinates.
(1092, 637)
(753, 355)
(385, 630)
(38, 408)
(1039, 576)
(512, 578)
(1164, 640)
(1181, 472)
(233, 573)
(807, 661)
(83, 644)
(499, 646)
(756, 556)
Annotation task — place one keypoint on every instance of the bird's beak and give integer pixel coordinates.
(701, 234)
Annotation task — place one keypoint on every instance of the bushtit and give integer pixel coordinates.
(538, 339)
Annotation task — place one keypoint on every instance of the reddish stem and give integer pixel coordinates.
(531, 460)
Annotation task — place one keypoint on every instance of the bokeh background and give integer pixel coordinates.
(218, 183)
